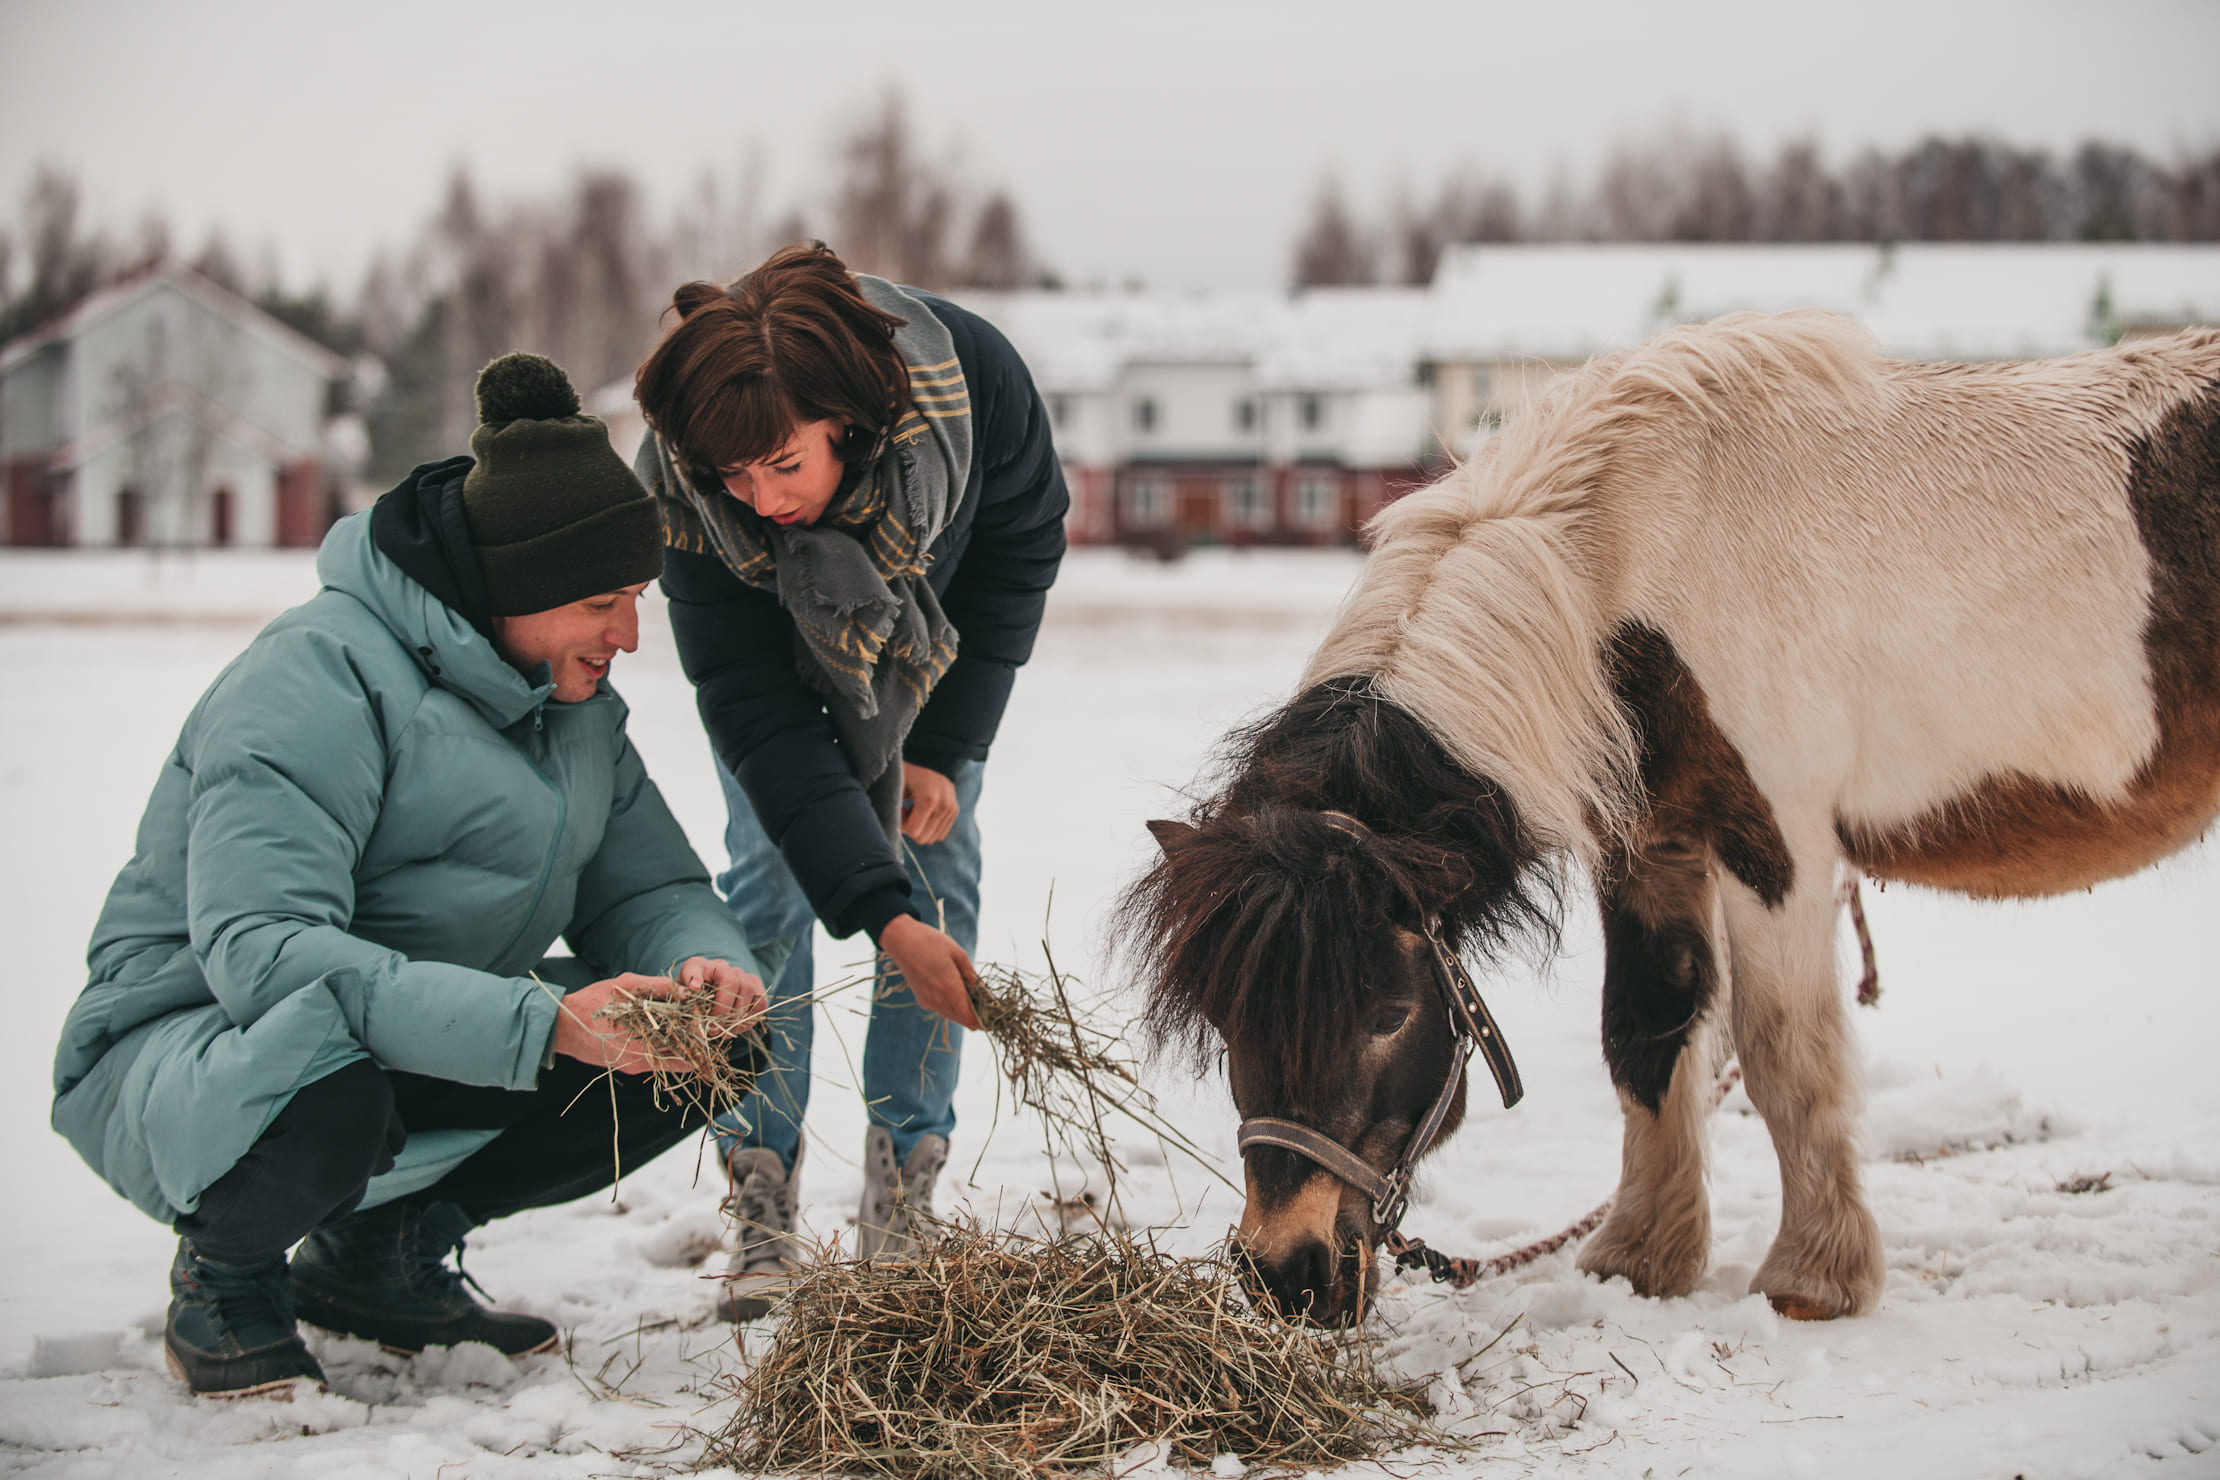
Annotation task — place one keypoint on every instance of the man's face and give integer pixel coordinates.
(794, 484)
(577, 642)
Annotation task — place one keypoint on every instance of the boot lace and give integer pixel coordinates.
(428, 1239)
(246, 1296)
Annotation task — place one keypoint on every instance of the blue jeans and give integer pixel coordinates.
(910, 1055)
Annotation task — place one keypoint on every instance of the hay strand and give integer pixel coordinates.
(684, 1026)
(1067, 1068)
(993, 1354)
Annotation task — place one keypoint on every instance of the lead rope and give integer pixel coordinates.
(1461, 1273)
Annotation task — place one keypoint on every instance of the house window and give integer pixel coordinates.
(130, 517)
(1312, 411)
(220, 518)
(1244, 415)
(1317, 497)
(1246, 505)
(1144, 414)
(1148, 502)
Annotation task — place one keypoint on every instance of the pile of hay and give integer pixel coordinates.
(684, 1026)
(993, 1354)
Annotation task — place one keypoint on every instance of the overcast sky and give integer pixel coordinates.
(1177, 141)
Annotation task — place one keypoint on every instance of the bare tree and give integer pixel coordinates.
(2117, 189)
(65, 265)
(1332, 250)
(219, 264)
(893, 208)
(1471, 208)
(998, 258)
(1797, 200)
(2196, 199)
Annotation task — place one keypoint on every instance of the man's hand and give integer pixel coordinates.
(928, 804)
(740, 997)
(935, 967)
(740, 1002)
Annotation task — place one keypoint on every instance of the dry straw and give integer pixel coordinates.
(998, 1355)
(684, 1027)
(1064, 1066)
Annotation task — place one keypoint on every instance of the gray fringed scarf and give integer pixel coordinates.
(869, 632)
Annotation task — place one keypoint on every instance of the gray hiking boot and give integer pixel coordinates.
(230, 1331)
(766, 1257)
(897, 1202)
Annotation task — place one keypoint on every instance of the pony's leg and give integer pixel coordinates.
(1793, 1034)
(1665, 982)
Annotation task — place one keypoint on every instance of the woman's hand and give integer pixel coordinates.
(935, 967)
(740, 1001)
(928, 804)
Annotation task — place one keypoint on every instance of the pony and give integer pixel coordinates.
(1720, 616)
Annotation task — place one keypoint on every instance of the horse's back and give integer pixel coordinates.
(1972, 612)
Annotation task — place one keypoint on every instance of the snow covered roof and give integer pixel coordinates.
(1567, 302)
(2012, 301)
(1923, 301)
(1334, 337)
(218, 300)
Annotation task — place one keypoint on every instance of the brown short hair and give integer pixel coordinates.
(792, 342)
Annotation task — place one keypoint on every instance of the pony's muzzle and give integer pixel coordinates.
(1309, 1280)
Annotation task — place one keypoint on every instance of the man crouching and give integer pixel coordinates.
(319, 1011)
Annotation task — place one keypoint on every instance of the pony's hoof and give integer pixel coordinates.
(1655, 1267)
(1808, 1288)
(1797, 1308)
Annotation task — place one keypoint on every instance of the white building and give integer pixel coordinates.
(1504, 320)
(1233, 417)
(1248, 418)
(165, 411)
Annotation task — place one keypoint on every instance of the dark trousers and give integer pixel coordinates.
(315, 1161)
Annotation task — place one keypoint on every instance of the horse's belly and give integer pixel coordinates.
(2016, 837)
(2021, 829)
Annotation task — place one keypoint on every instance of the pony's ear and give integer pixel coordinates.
(1170, 835)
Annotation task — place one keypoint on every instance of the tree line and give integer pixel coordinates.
(1685, 188)
(581, 278)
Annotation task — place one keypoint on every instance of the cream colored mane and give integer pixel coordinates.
(1488, 598)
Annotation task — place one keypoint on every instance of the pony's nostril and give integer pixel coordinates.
(1312, 1270)
(1296, 1285)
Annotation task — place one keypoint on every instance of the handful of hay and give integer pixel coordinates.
(1064, 1067)
(681, 1027)
(1000, 1355)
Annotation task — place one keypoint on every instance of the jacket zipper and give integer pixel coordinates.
(547, 865)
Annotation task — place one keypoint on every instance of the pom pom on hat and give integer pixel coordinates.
(524, 387)
(555, 516)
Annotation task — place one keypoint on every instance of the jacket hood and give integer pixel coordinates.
(454, 654)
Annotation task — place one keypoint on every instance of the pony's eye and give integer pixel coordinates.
(1386, 1020)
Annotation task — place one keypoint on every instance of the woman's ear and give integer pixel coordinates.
(858, 443)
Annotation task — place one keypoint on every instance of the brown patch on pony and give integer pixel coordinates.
(1661, 974)
(2015, 837)
(1695, 783)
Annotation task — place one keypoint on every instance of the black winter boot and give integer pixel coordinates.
(382, 1275)
(230, 1332)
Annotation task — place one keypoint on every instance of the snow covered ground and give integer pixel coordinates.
(2017, 1051)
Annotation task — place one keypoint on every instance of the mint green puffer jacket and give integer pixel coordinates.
(370, 830)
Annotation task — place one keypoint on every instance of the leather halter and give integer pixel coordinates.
(1474, 1028)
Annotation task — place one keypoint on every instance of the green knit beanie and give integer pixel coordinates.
(554, 513)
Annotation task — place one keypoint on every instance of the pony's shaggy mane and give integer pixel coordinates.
(1264, 921)
(1486, 606)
